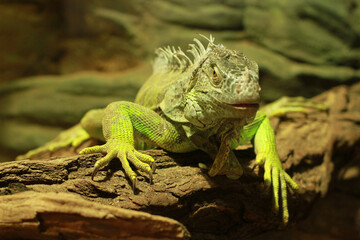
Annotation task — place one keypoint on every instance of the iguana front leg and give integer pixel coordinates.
(262, 134)
(122, 122)
(275, 175)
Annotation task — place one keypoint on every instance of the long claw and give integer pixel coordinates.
(101, 162)
(284, 198)
(153, 167)
(134, 184)
(95, 170)
(151, 176)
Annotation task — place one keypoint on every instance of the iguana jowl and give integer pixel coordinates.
(210, 103)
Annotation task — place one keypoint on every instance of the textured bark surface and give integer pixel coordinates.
(320, 150)
(33, 215)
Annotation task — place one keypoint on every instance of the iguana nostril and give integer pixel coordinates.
(238, 89)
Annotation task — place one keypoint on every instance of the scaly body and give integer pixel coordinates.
(208, 103)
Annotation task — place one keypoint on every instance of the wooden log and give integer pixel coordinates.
(34, 215)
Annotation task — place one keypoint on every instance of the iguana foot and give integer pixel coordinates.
(126, 153)
(71, 137)
(291, 104)
(276, 176)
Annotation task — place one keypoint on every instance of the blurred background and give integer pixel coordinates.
(61, 58)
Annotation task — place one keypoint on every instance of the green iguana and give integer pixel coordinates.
(209, 103)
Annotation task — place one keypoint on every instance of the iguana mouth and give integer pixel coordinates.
(245, 105)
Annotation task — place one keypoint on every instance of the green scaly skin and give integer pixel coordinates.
(208, 103)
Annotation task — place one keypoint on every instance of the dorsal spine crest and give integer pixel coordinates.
(171, 59)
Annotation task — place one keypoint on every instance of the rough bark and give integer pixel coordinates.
(34, 215)
(317, 148)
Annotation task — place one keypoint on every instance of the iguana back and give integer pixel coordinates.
(153, 90)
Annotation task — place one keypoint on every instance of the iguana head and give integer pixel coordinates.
(224, 84)
(217, 85)
(230, 77)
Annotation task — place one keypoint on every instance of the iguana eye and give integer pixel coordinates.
(214, 74)
(216, 77)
